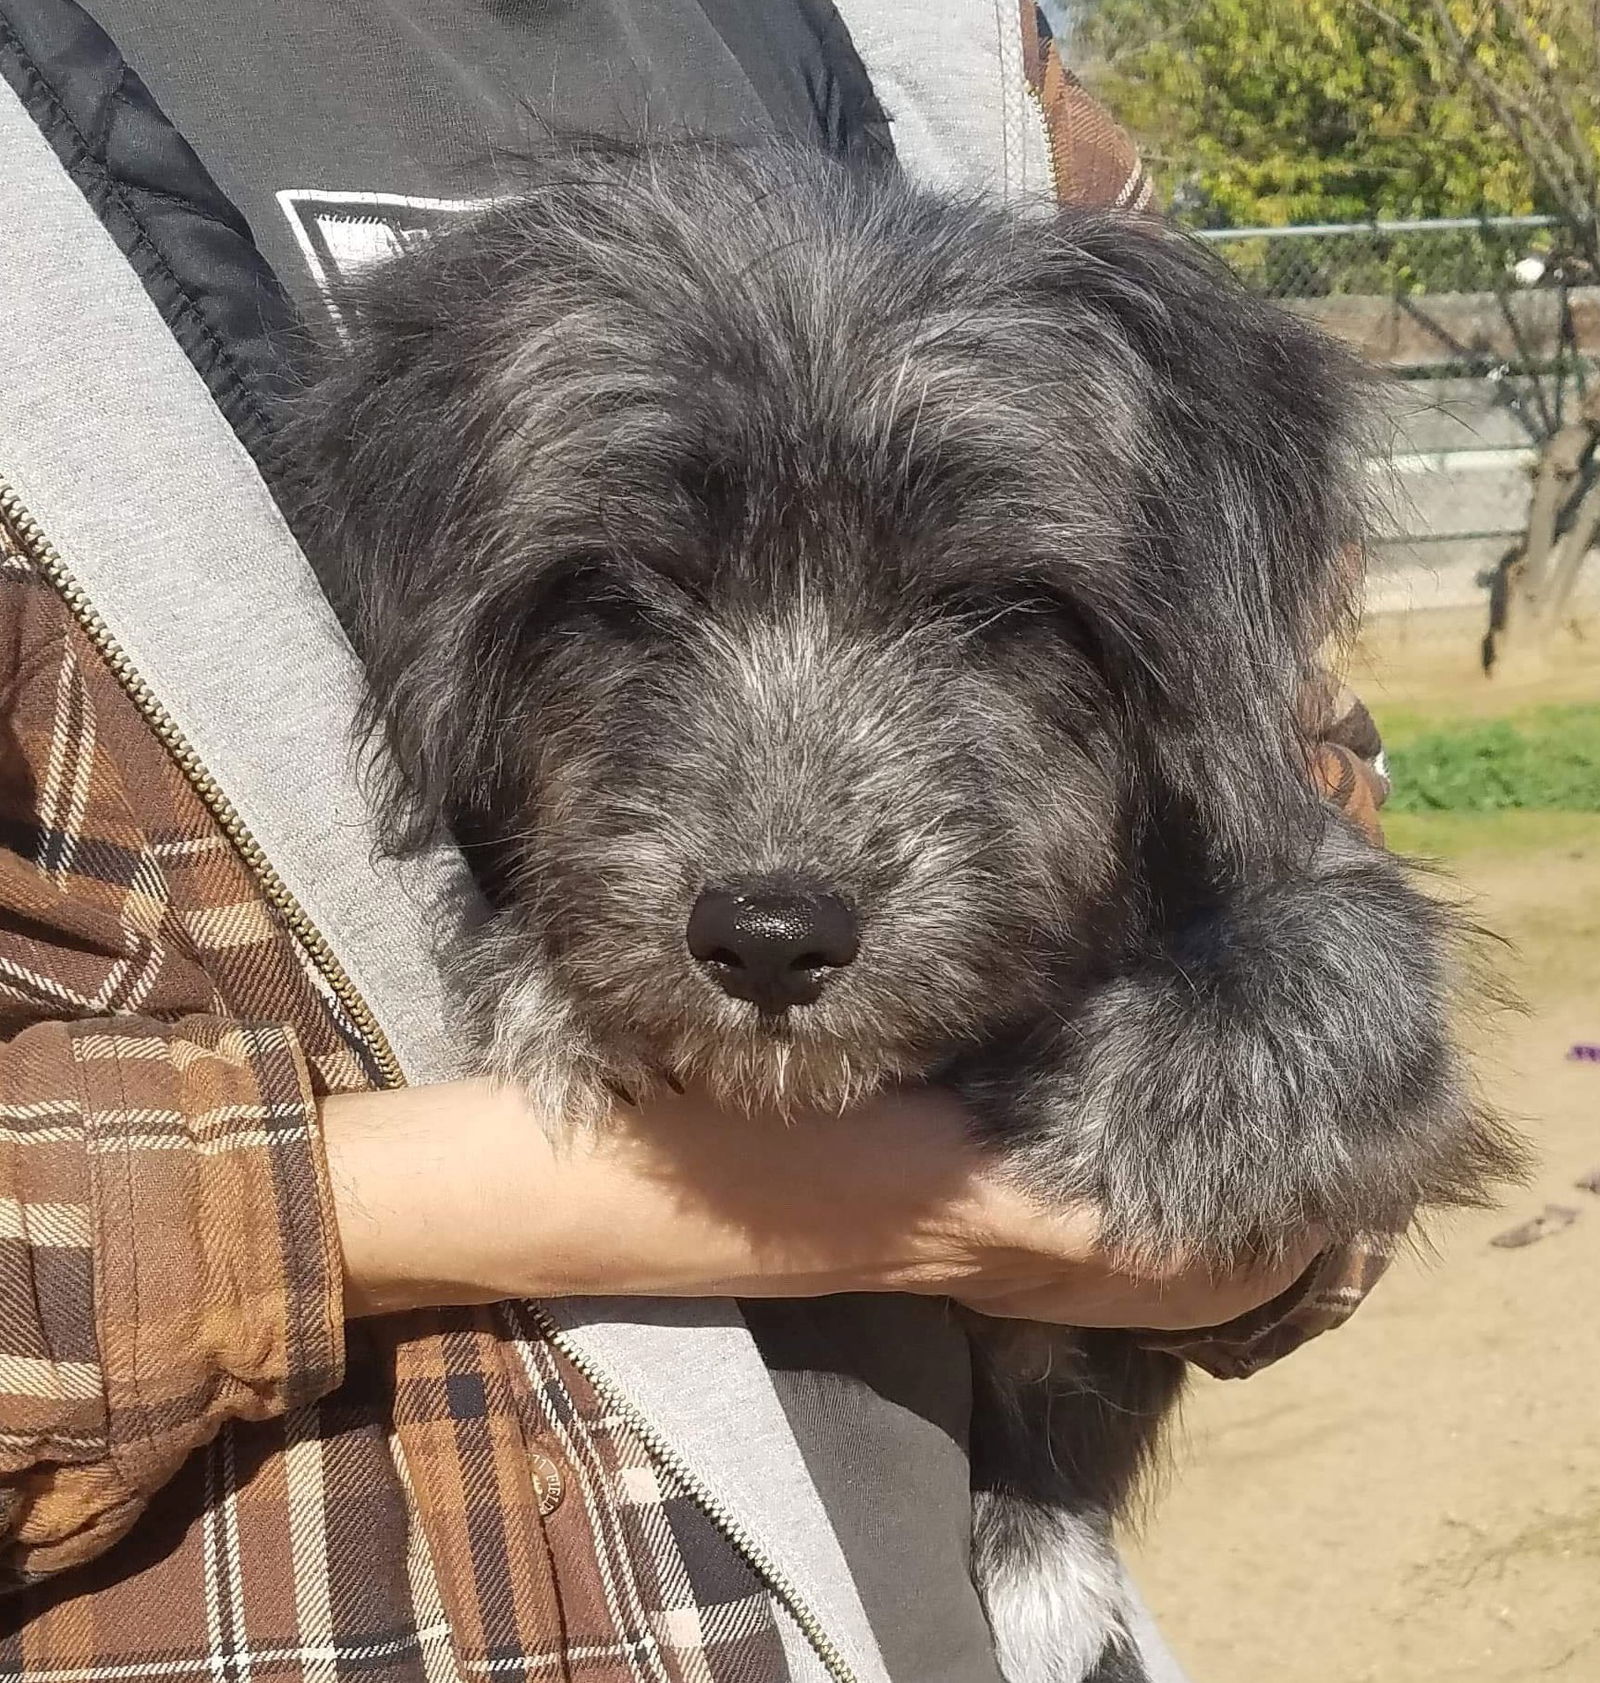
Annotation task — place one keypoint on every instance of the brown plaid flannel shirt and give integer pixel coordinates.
(428, 1497)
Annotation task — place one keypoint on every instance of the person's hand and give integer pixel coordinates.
(456, 1194)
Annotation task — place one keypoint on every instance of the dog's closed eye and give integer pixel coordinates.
(606, 592)
(982, 606)
(995, 612)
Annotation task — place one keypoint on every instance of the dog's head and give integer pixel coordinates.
(813, 600)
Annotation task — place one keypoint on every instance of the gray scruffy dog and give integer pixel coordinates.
(859, 635)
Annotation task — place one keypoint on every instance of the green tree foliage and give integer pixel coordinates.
(1271, 112)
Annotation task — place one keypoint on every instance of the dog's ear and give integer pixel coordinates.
(438, 504)
(1247, 518)
(453, 465)
(384, 447)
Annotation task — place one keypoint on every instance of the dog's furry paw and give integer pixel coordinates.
(1286, 1061)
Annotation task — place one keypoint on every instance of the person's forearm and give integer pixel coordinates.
(396, 1178)
(460, 1194)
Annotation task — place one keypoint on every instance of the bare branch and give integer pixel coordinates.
(1574, 551)
(1525, 355)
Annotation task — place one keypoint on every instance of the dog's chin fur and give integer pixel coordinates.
(536, 1037)
(704, 515)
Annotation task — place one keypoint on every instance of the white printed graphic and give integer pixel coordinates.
(340, 234)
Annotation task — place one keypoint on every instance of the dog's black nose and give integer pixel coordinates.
(772, 944)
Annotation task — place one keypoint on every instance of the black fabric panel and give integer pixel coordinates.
(877, 1389)
(800, 58)
(189, 245)
(446, 98)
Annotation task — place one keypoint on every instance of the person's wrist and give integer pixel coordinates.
(424, 1182)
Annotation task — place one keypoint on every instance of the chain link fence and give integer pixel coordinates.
(1492, 297)
(1461, 254)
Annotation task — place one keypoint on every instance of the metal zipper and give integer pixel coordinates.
(1049, 137)
(47, 558)
(44, 555)
(1033, 93)
(771, 1574)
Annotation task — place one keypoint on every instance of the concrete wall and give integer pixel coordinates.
(1456, 480)
(1435, 327)
(1454, 492)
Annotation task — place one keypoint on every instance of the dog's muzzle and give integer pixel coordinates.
(774, 944)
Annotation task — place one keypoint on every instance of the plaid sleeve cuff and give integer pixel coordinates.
(1324, 1297)
(188, 1270)
(206, 1135)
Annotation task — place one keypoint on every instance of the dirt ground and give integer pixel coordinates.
(1416, 1497)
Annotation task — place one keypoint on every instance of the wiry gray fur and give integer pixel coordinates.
(711, 516)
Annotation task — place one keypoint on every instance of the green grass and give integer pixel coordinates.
(1454, 836)
(1544, 759)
